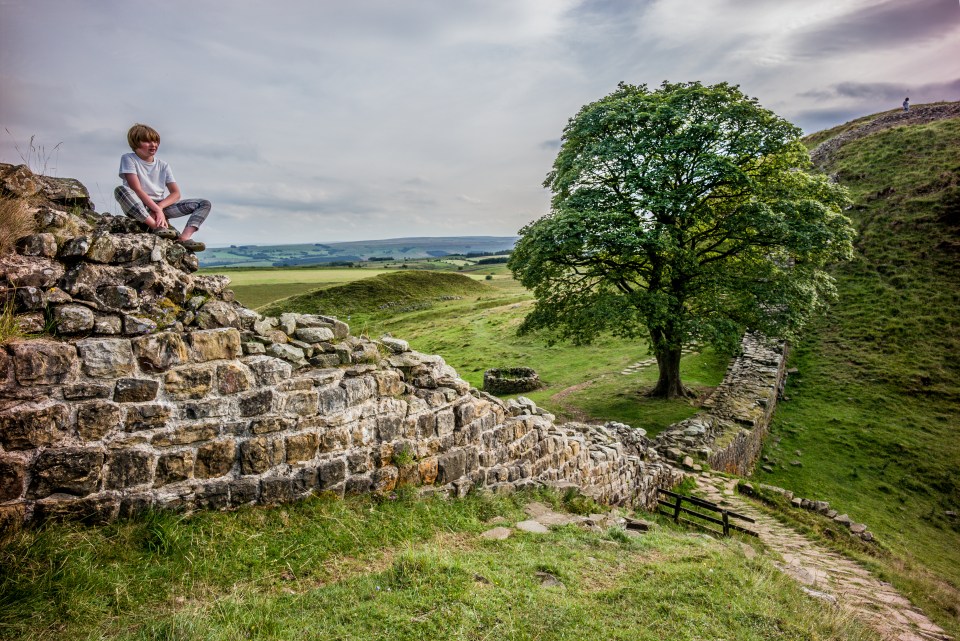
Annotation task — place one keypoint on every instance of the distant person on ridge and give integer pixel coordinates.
(906, 104)
(144, 179)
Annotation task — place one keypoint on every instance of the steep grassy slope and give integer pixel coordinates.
(875, 408)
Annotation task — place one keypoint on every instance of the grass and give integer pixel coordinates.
(873, 409)
(367, 568)
(16, 221)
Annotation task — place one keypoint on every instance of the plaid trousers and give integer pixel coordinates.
(196, 208)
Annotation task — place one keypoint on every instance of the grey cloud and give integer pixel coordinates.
(550, 145)
(887, 25)
(888, 91)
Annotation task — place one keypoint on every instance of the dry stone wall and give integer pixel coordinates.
(728, 434)
(153, 388)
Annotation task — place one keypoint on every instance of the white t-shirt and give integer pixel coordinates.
(154, 176)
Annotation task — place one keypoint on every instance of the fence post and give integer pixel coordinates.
(676, 510)
(726, 523)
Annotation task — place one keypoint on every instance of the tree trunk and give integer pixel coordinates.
(669, 384)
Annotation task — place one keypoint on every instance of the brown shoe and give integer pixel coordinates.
(166, 232)
(193, 245)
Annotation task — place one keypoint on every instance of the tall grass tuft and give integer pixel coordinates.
(16, 221)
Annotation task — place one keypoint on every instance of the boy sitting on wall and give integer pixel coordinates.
(144, 181)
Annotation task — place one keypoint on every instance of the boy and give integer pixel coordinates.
(140, 194)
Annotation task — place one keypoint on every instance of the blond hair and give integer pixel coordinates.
(139, 133)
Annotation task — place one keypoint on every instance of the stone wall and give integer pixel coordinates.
(104, 427)
(728, 434)
(153, 388)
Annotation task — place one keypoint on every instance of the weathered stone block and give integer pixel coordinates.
(255, 403)
(270, 424)
(13, 473)
(159, 352)
(218, 314)
(268, 370)
(389, 382)
(215, 344)
(192, 381)
(451, 466)
(135, 390)
(186, 434)
(233, 378)
(244, 491)
(258, 455)
(132, 505)
(389, 426)
(359, 484)
(129, 468)
(335, 439)
(302, 447)
(26, 429)
(38, 245)
(96, 419)
(118, 297)
(207, 409)
(215, 459)
(174, 467)
(43, 362)
(138, 325)
(276, 490)
(109, 324)
(331, 473)
(81, 391)
(445, 423)
(146, 417)
(212, 496)
(332, 399)
(12, 517)
(30, 299)
(302, 403)
(359, 462)
(359, 389)
(429, 469)
(385, 479)
(464, 413)
(69, 470)
(91, 510)
(106, 357)
(314, 334)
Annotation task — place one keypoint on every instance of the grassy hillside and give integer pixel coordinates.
(873, 414)
(394, 568)
(401, 290)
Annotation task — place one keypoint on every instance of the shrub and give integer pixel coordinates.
(16, 221)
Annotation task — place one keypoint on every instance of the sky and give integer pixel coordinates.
(323, 120)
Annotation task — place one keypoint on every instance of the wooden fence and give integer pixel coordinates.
(675, 507)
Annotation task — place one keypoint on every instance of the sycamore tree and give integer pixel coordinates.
(687, 215)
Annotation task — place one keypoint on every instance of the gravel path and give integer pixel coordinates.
(828, 575)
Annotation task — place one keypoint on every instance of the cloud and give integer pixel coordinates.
(872, 26)
(888, 91)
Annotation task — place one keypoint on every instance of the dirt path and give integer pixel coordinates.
(828, 575)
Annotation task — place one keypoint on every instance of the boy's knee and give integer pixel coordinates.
(205, 204)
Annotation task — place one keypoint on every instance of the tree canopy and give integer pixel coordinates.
(687, 214)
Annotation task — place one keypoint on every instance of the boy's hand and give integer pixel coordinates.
(160, 219)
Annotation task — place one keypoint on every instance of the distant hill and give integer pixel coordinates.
(402, 290)
(325, 253)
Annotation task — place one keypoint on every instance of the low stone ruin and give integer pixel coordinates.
(146, 385)
(513, 380)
